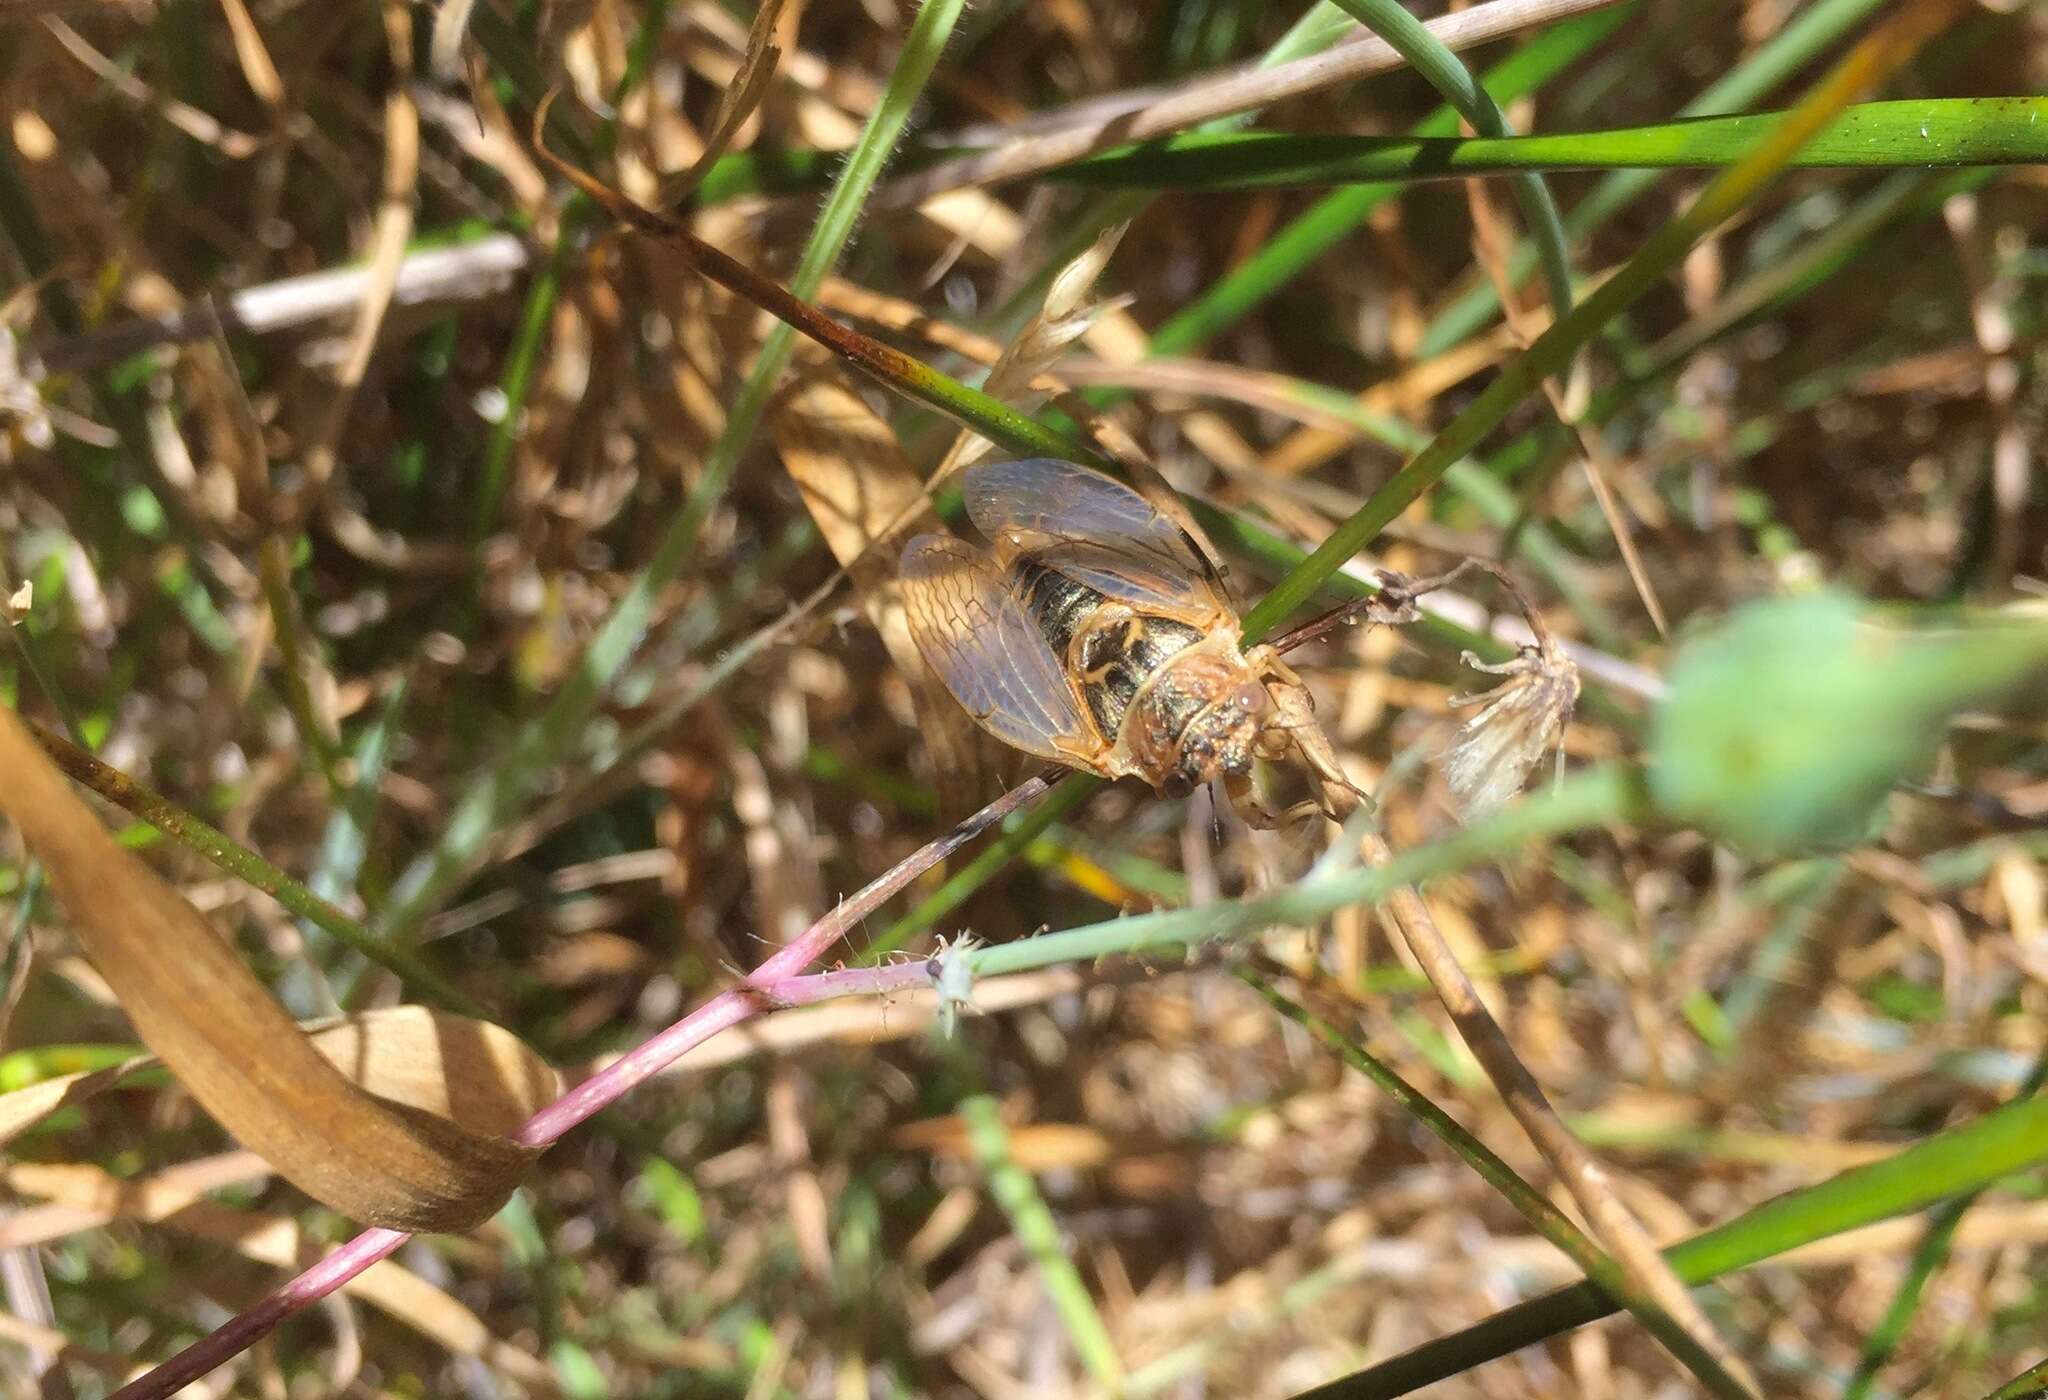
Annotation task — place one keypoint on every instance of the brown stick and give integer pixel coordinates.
(1582, 1173)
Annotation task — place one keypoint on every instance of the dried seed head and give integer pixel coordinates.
(1518, 722)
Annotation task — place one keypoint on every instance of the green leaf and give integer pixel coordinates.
(1786, 728)
(673, 1197)
(1964, 1158)
(1875, 135)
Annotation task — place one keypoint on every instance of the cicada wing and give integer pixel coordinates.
(977, 636)
(1097, 531)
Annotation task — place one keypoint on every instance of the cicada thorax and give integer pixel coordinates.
(1174, 704)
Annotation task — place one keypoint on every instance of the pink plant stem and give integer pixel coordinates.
(776, 982)
(851, 982)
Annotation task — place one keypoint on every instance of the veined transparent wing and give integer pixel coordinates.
(977, 636)
(1097, 531)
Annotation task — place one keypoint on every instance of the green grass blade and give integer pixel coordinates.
(1545, 1218)
(1338, 215)
(2031, 1384)
(1588, 798)
(1809, 265)
(1039, 1233)
(1447, 73)
(250, 868)
(1791, 49)
(1553, 350)
(482, 809)
(1928, 1257)
(1914, 134)
(1960, 1159)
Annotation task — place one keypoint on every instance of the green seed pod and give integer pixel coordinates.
(1786, 727)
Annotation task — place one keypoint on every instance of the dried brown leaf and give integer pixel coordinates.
(1064, 317)
(375, 1158)
(479, 1074)
(742, 95)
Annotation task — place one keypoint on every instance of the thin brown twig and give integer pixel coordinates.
(1583, 1175)
(468, 272)
(202, 127)
(1992, 327)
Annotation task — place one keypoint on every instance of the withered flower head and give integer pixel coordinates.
(1518, 722)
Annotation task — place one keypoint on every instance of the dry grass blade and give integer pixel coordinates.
(257, 67)
(1065, 315)
(1492, 245)
(394, 226)
(194, 1002)
(200, 126)
(444, 49)
(476, 1074)
(1582, 1174)
(77, 1196)
(1221, 96)
(741, 96)
(21, 1109)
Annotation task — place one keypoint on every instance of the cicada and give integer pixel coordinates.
(1095, 633)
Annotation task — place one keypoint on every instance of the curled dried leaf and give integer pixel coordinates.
(749, 85)
(478, 1074)
(385, 1159)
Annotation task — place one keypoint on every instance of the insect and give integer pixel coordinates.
(1096, 634)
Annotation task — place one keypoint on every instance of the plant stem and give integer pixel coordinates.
(1878, 55)
(729, 1008)
(1545, 1218)
(1039, 1232)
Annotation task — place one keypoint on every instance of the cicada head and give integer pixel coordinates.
(1198, 719)
(1221, 739)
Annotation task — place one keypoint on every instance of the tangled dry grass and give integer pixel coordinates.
(340, 426)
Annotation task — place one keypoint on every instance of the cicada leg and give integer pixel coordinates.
(1245, 800)
(1293, 726)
